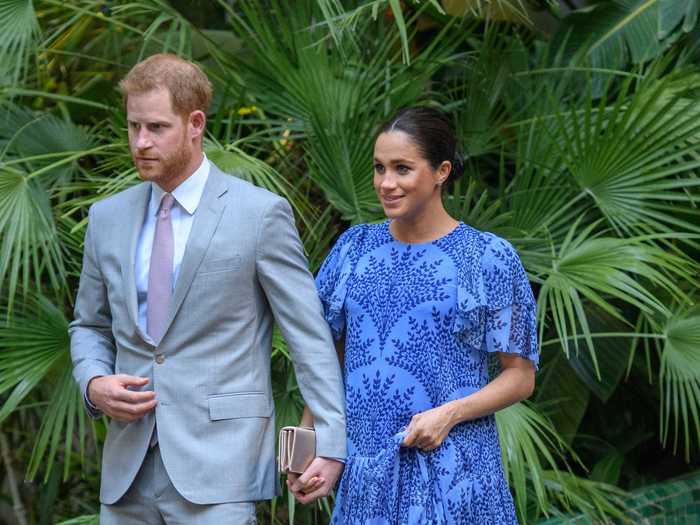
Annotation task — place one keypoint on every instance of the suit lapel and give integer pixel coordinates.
(206, 219)
(132, 229)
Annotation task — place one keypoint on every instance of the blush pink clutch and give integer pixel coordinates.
(297, 449)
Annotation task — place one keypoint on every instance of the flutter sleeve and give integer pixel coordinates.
(510, 318)
(332, 281)
(496, 310)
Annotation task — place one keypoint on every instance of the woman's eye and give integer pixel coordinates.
(402, 170)
(379, 168)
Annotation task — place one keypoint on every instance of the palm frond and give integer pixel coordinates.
(29, 247)
(330, 100)
(596, 502)
(680, 379)
(563, 393)
(343, 24)
(35, 355)
(529, 445)
(88, 519)
(667, 501)
(491, 10)
(39, 140)
(587, 265)
(614, 33)
(637, 159)
(32, 345)
(471, 204)
(19, 32)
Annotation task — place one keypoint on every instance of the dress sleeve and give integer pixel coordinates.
(510, 314)
(332, 280)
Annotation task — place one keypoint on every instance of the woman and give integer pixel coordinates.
(420, 301)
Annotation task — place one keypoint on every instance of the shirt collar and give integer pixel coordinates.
(188, 193)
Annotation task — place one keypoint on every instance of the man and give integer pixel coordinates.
(182, 277)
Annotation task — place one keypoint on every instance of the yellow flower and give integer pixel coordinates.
(247, 110)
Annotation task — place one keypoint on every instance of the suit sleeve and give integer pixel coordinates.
(91, 340)
(291, 292)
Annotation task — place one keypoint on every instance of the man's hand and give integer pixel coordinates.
(317, 481)
(427, 430)
(112, 396)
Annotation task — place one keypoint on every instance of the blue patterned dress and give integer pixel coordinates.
(419, 321)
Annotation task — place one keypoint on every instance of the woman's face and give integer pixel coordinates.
(404, 180)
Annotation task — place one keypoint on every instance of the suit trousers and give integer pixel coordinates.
(153, 500)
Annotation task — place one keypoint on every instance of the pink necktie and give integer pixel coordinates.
(160, 273)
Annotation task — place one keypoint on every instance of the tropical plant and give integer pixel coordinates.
(582, 148)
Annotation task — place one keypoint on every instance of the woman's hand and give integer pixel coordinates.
(427, 430)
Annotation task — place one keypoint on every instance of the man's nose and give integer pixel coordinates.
(143, 139)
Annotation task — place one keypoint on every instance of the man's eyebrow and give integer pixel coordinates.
(147, 122)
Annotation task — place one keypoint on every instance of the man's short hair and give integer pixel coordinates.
(189, 87)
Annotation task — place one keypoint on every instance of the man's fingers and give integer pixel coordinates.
(129, 396)
(292, 477)
(130, 411)
(305, 477)
(137, 410)
(128, 380)
(299, 483)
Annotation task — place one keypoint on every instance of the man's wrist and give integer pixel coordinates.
(339, 460)
(87, 393)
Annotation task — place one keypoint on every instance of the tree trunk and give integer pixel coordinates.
(17, 504)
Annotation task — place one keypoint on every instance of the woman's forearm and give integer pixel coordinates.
(509, 387)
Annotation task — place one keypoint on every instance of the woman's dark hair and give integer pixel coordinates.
(433, 135)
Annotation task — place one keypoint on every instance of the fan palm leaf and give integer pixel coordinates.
(596, 501)
(153, 25)
(637, 159)
(336, 104)
(29, 247)
(19, 32)
(32, 345)
(39, 140)
(529, 445)
(35, 355)
(680, 379)
(343, 23)
(619, 31)
(588, 265)
(532, 452)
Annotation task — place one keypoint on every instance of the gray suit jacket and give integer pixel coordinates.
(243, 268)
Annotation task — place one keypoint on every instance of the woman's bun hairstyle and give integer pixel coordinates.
(431, 131)
(457, 168)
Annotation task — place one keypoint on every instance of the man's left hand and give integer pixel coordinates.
(317, 481)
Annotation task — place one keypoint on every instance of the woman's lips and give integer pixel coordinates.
(391, 200)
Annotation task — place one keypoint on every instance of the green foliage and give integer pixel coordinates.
(619, 31)
(582, 151)
(19, 29)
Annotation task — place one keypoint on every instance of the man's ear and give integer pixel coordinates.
(197, 122)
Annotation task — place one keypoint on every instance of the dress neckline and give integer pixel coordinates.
(459, 226)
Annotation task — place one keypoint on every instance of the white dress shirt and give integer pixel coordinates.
(187, 196)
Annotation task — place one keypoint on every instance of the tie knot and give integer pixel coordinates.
(166, 203)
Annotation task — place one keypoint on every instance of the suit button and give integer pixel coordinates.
(160, 358)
